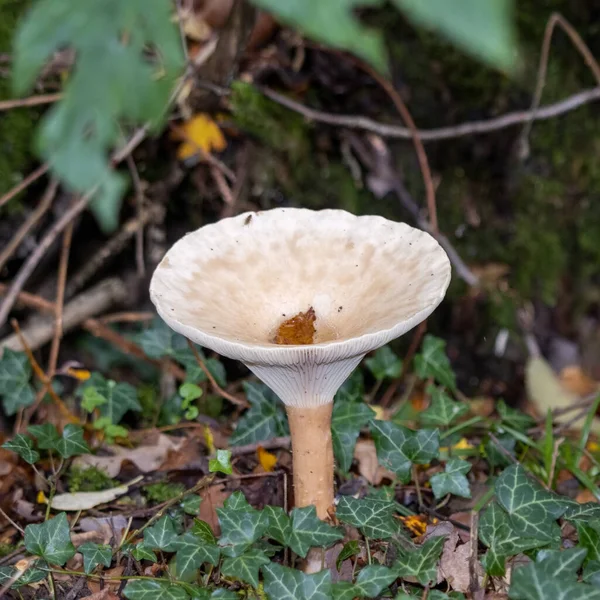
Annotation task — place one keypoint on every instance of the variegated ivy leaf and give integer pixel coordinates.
(433, 362)
(370, 583)
(94, 555)
(15, 373)
(443, 410)
(245, 567)
(162, 535)
(375, 518)
(154, 589)
(120, 397)
(192, 552)
(453, 480)
(51, 540)
(346, 422)
(421, 562)
(283, 583)
(23, 446)
(241, 525)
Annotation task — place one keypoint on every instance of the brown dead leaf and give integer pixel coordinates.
(112, 585)
(87, 536)
(585, 496)
(212, 498)
(297, 330)
(106, 527)
(146, 458)
(104, 594)
(575, 380)
(368, 465)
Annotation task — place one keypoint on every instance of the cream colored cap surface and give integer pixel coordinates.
(229, 286)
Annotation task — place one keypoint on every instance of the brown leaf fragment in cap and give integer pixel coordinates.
(297, 330)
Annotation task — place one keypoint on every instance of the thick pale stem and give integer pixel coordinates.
(312, 453)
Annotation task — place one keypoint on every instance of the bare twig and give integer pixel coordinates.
(549, 111)
(215, 386)
(31, 178)
(127, 317)
(23, 565)
(29, 223)
(15, 525)
(35, 257)
(31, 101)
(272, 444)
(139, 204)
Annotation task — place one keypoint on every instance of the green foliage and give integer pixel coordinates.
(94, 555)
(265, 418)
(385, 364)
(50, 540)
(515, 418)
(282, 583)
(246, 566)
(221, 463)
(70, 443)
(301, 530)
(162, 491)
(118, 398)
(110, 40)
(154, 589)
(350, 549)
(46, 434)
(420, 562)
(375, 518)
(347, 420)
(23, 446)
(442, 410)
(193, 551)
(241, 525)
(15, 389)
(32, 575)
(162, 535)
(89, 479)
(453, 480)
(432, 362)
(190, 392)
(398, 447)
(371, 581)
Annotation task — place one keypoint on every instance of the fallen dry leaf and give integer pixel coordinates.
(575, 380)
(87, 536)
(212, 498)
(297, 330)
(200, 133)
(368, 465)
(104, 594)
(87, 500)
(145, 458)
(112, 585)
(108, 527)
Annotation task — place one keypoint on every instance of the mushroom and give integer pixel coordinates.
(300, 296)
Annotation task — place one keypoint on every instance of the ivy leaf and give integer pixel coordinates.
(589, 538)
(502, 539)
(241, 525)
(77, 133)
(453, 480)
(591, 573)
(483, 29)
(23, 446)
(553, 577)
(346, 422)
(433, 362)
(72, 443)
(159, 340)
(50, 540)
(385, 364)
(192, 552)
(373, 579)
(92, 399)
(515, 418)
(421, 562)
(46, 435)
(350, 549)
(399, 447)
(263, 420)
(494, 454)
(154, 589)
(15, 373)
(162, 535)
(203, 531)
(332, 23)
(94, 555)
(375, 518)
(283, 583)
(191, 504)
(221, 463)
(279, 524)
(120, 397)
(245, 567)
(140, 552)
(443, 410)
(589, 511)
(32, 575)
(532, 510)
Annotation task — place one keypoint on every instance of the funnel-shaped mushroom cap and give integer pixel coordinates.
(230, 285)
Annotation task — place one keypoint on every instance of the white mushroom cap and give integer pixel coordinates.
(229, 286)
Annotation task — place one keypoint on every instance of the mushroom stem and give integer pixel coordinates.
(312, 453)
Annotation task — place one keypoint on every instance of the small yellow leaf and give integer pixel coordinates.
(593, 446)
(209, 439)
(416, 524)
(379, 411)
(79, 374)
(463, 444)
(199, 133)
(41, 498)
(266, 459)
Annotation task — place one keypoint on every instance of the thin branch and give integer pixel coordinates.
(441, 133)
(29, 223)
(139, 205)
(31, 178)
(31, 101)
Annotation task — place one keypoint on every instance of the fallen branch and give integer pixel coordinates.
(441, 133)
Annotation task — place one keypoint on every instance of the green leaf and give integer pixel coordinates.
(92, 399)
(245, 567)
(94, 555)
(72, 443)
(589, 511)
(110, 40)
(515, 418)
(453, 480)
(221, 463)
(443, 410)
(265, 418)
(532, 510)
(203, 531)
(399, 447)
(241, 525)
(192, 552)
(374, 518)
(153, 589)
(162, 535)
(120, 397)
(350, 549)
(23, 446)
(483, 29)
(191, 504)
(141, 552)
(561, 563)
(283, 583)
(159, 340)
(332, 23)
(591, 573)
(50, 540)
(190, 391)
(346, 422)
(32, 575)
(502, 539)
(494, 454)
(433, 362)
(420, 562)
(301, 530)
(384, 364)
(373, 579)
(46, 435)
(589, 538)
(15, 373)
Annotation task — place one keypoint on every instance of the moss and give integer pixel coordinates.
(17, 125)
(90, 479)
(6, 549)
(163, 491)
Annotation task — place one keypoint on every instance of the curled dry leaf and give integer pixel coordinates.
(110, 582)
(87, 500)
(368, 465)
(146, 458)
(107, 527)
